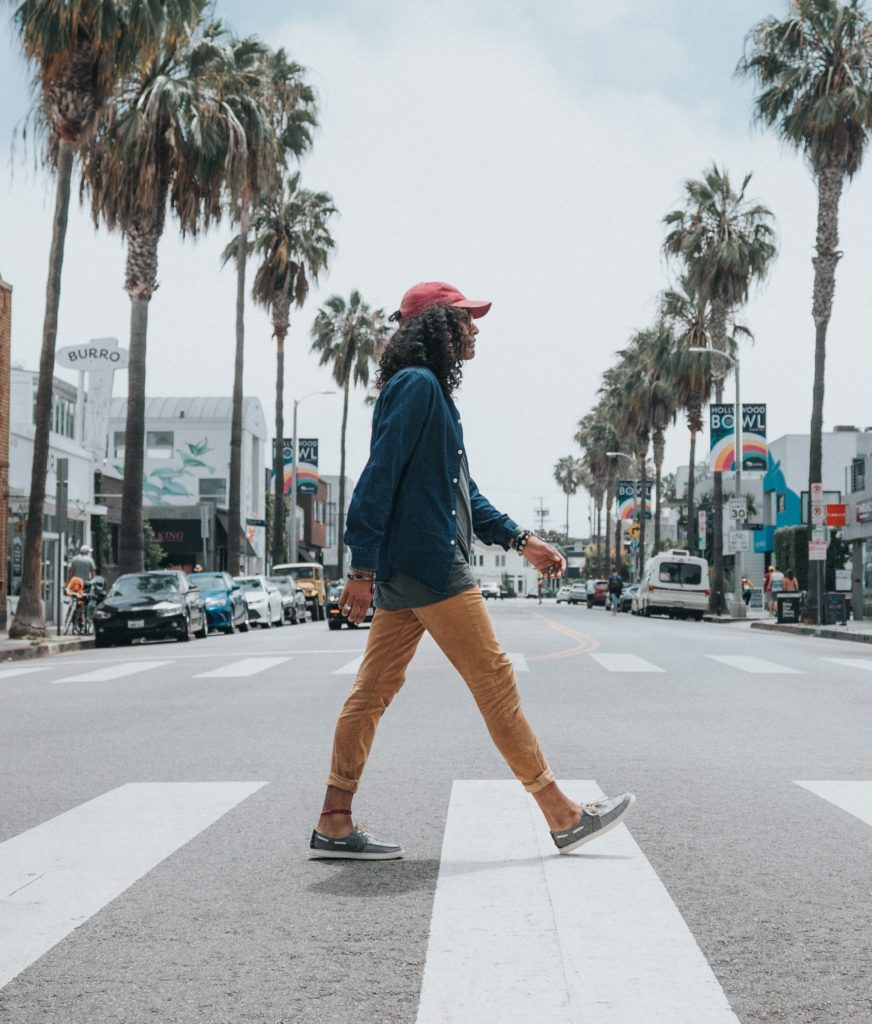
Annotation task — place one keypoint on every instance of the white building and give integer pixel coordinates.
(187, 472)
(64, 443)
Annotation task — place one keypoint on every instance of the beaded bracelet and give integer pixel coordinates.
(520, 542)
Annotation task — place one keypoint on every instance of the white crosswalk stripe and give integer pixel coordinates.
(57, 875)
(855, 797)
(568, 939)
(22, 670)
(865, 664)
(241, 669)
(625, 663)
(756, 666)
(117, 671)
(519, 661)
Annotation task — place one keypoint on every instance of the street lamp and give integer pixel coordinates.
(294, 456)
(632, 458)
(738, 600)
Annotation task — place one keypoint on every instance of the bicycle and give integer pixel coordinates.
(614, 602)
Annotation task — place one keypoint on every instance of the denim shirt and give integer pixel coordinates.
(403, 513)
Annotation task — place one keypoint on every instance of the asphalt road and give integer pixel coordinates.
(130, 895)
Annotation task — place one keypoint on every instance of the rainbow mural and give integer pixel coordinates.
(308, 479)
(625, 499)
(755, 450)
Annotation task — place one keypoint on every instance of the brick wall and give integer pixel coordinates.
(5, 342)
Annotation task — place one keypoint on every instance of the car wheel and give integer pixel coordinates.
(101, 641)
(186, 635)
(267, 622)
(203, 631)
(243, 626)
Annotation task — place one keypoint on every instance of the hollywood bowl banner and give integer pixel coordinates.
(307, 470)
(755, 450)
(625, 498)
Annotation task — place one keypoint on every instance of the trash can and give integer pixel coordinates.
(836, 609)
(787, 607)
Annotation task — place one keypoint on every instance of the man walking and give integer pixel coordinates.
(82, 565)
(410, 529)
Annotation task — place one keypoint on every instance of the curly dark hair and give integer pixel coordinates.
(435, 339)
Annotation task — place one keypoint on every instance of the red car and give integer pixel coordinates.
(597, 592)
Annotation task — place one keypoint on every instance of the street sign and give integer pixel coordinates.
(843, 579)
(818, 514)
(837, 515)
(816, 504)
(817, 550)
(634, 530)
(634, 544)
(817, 493)
(738, 509)
(819, 533)
(739, 540)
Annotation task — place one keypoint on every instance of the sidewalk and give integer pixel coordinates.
(16, 650)
(857, 632)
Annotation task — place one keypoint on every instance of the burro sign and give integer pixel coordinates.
(100, 354)
(99, 359)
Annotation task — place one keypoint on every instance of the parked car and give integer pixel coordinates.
(263, 599)
(293, 599)
(674, 583)
(627, 595)
(577, 593)
(309, 576)
(225, 606)
(596, 592)
(150, 606)
(335, 618)
(563, 595)
(491, 589)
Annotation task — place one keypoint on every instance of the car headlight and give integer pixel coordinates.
(166, 608)
(101, 613)
(215, 602)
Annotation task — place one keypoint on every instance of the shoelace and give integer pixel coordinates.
(594, 808)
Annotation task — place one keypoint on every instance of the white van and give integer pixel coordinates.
(674, 583)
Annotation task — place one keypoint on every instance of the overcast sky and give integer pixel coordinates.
(525, 152)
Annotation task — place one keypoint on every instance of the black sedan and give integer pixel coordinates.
(335, 618)
(150, 606)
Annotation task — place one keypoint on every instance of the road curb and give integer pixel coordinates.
(819, 631)
(45, 649)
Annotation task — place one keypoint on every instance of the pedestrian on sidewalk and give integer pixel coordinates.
(82, 565)
(790, 581)
(747, 587)
(776, 585)
(410, 530)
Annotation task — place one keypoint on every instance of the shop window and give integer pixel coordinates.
(159, 444)
(858, 475)
(118, 444)
(212, 489)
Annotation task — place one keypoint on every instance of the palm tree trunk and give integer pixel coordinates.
(719, 343)
(278, 535)
(691, 508)
(830, 184)
(567, 518)
(599, 540)
(234, 496)
(131, 554)
(643, 520)
(29, 618)
(340, 535)
(140, 283)
(659, 448)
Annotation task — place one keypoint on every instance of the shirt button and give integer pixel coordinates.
(454, 479)
(453, 512)
(452, 543)
(460, 451)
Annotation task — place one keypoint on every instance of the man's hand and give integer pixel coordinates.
(355, 600)
(544, 556)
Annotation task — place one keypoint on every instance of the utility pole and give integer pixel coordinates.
(541, 514)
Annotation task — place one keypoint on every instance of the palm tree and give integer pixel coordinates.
(291, 236)
(595, 437)
(169, 136)
(688, 318)
(278, 111)
(726, 242)
(76, 48)
(657, 349)
(814, 70)
(567, 473)
(350, 335)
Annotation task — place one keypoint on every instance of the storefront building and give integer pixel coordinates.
(186, 478)
(858, 530)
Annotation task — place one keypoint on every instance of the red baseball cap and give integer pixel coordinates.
(432, 293)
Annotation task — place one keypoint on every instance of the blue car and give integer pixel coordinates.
(225, 606)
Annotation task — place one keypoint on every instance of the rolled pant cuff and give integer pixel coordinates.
(545, 779)
(349, 785)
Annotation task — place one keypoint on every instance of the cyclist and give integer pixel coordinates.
(616, 587)
(76, 619)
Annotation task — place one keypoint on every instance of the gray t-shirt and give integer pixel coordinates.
(82, 566)
(402, 592)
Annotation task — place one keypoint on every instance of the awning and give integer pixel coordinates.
(246, 547)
